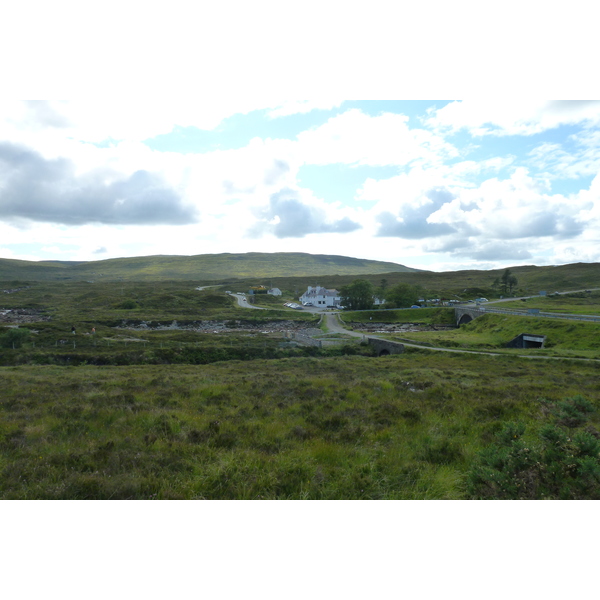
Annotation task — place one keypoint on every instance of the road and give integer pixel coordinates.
(334, 326)
(243, 302)
(528, 297)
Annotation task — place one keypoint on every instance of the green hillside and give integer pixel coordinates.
(458, 284)
(204, 267)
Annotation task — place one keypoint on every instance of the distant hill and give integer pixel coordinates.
(203, 267)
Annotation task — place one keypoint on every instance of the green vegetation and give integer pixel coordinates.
(560, 462)
(580, 303)
(358, 295)
(494, 331)
(167, 391)
(204, 267)
(85, 304)
(13, 338)
(403, 295)
(507, 282)
(411, 426)
(464, 285)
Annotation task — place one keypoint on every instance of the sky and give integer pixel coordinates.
(477, 183)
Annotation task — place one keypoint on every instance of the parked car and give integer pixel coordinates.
(481, 300)
(415, 306)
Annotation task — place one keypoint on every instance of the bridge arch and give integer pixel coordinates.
(465, 315)
(385, 347)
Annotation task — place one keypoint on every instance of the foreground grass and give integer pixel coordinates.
(404, 427)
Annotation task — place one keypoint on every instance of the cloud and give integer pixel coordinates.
(513, 117)
(294, 107)
(578, 157)
(497, 251)
(287, 216)
(276, 172)
(38, 189)
(40, 114)
(354, 137)
(101, 250)
(413, 220)
(500, 219)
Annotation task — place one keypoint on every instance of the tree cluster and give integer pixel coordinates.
(359, 295)
(507, 282)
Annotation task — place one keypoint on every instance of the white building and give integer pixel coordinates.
(320, 296)
(274, 292)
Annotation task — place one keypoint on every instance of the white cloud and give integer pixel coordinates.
(293, 107)
(134, 119)
(513, 117)
(354, 137)
(581, 159)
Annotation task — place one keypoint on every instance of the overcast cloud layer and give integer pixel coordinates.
(433, 185)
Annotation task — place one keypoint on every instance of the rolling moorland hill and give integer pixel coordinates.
(459, 284)
(203, 267)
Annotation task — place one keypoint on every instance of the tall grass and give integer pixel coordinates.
(316, 428)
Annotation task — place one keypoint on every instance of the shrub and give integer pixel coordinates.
(557, 465)
(128, 304)
(14, 338)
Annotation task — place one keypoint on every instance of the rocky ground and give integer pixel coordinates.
(21, 315)
(220, 326)
(397, 327)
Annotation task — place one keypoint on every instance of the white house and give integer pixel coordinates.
(274, 292)
(378, 301)
(320, 296)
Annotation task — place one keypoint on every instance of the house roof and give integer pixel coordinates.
(320, 291)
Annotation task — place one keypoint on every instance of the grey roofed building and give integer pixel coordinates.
(320, 296)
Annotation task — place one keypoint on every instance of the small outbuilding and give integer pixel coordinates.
(527, 340)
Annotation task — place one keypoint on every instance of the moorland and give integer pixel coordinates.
(166, 391)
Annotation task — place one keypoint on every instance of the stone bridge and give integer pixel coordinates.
(385, 347)
(464, 315)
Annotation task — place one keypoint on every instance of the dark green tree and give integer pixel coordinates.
(380, 291)
(508, 281)
(358, 295)
(403, 295)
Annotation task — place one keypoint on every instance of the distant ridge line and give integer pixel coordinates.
(208, 267)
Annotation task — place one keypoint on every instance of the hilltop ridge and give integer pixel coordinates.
(206, 267)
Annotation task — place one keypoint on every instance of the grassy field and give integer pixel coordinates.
(405, 427)
(492, 332)
(583, 303)
(135, 411)
(88, 303)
